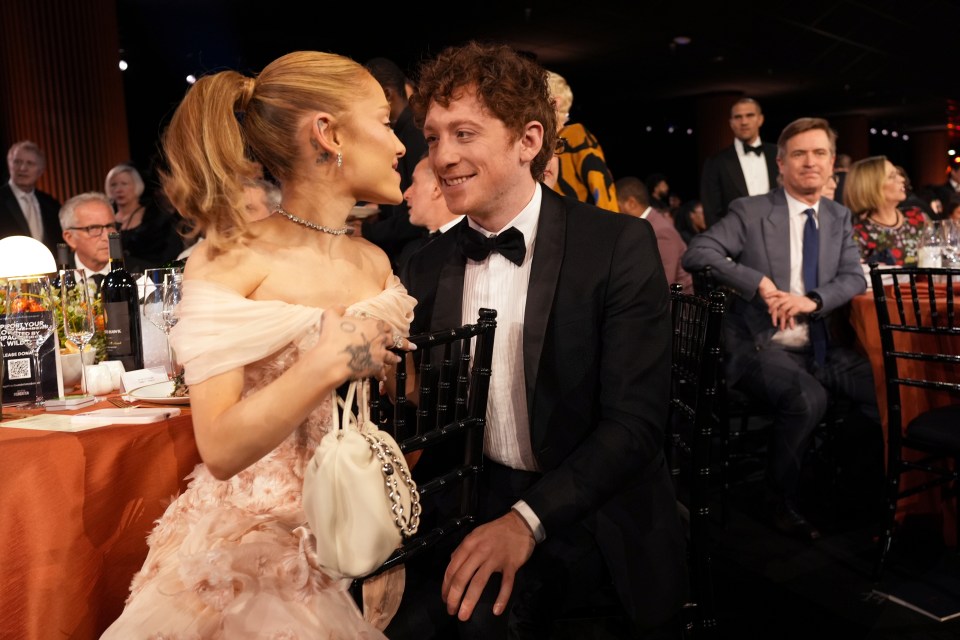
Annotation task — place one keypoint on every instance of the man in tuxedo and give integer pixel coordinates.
(790, 257)
(634, 200)
(391, 229)
(87, 220)
(24, 209)
(951, 188)
(574, 491)
(427, 208)
(748, 167)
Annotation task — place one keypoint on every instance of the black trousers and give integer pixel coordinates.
(563, 568)
(798, 390)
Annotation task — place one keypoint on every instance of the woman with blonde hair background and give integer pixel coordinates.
(276, 315)
(149, 234)
(873, 190)
(582, 173)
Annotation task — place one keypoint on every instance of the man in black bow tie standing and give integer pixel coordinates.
(575, 493)
(748, 167)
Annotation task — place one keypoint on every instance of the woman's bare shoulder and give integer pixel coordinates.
(238, 266)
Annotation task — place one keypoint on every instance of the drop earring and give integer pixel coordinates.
(339, 159)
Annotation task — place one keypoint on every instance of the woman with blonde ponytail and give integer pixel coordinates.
(277, 314)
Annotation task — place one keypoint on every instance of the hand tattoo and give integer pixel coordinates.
(361, 359)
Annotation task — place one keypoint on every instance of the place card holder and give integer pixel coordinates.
(19, 378)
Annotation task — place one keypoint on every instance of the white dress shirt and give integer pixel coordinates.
(30, 207)
(450, 225)
(799, 335)
(87, 270)
(497, 283)
(754, 168)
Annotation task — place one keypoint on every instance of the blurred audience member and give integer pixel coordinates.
(659, 190)
(583, 172)
(882, 232)
(690, 220)
(840, 169)
(952, 186)
(952, 209)
(428, 208)
(391, 229)
(24, 209)
(830, 187)
(748, 167)
(88, 221)
(634, 200)
(149, 233)
(261, 200)
(915, 200)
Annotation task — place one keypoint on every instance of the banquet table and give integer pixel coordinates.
(863, 317)
(75, 511)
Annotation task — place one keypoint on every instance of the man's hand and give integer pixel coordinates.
(503, 546)
(783, 306)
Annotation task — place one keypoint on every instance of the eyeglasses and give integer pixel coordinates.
(96, 230)
(561, 146)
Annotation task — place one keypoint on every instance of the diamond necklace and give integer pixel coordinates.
(312, 225)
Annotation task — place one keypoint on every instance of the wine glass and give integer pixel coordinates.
(161, 295)
(951, 244)
(76, 302)
(29, 320)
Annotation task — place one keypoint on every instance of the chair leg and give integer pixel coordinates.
(890, 517)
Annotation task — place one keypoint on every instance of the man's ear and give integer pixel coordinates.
(531, 141)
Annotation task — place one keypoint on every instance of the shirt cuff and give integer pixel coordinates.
(536, 527)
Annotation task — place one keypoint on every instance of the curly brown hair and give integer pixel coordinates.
(512, 87)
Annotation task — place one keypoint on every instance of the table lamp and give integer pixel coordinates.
(24, 256)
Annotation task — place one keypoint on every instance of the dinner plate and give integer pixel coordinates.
(158, 393)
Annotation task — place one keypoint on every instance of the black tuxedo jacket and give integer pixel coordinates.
(13, 223)
(722, 180)
(596, 349)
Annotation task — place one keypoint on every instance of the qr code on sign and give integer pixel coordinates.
(18, 369)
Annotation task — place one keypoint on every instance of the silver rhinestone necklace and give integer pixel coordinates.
(312, 225)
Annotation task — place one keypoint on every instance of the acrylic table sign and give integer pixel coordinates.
(19, 377)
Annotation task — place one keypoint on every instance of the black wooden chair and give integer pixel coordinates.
(921, 350)
(744, 419)
(449, 411)
(693, 423)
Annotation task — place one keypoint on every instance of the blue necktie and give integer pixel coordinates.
(811, 255)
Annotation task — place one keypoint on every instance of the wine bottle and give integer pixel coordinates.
(121, 307)
(63, 262)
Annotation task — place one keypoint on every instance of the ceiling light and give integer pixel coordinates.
(123, 65)
(191, 79)
(952, 152)
(682, 40)
(873, 131)
(905, 137)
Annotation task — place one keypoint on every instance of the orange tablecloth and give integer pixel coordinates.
(863, 316)
(75, 510)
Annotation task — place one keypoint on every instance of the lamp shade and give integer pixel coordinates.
(24, 256)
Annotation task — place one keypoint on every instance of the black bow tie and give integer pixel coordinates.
(476, 246)
(757, 149)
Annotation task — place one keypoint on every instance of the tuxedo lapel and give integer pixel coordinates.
(544, 273)
(734, 171)
(14, 212)
(448, 304)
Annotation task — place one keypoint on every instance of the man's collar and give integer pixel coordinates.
(646, 212)
(797, 206)
(525, 221)
(90, 270)
(17, 191)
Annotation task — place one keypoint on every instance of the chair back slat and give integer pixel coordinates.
(693, 423)
(453, 379)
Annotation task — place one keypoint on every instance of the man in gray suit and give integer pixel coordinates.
(790, 256)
